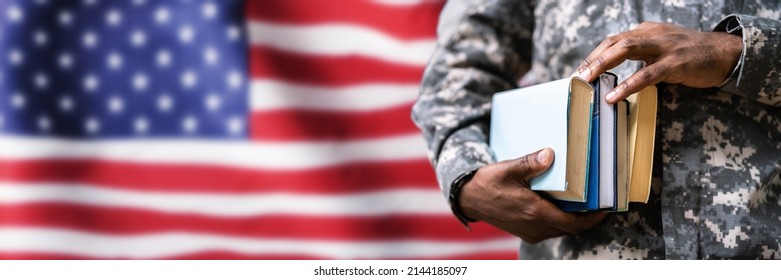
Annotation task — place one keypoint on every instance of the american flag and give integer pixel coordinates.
(220, 130)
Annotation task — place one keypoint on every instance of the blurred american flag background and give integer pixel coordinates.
(220, 130)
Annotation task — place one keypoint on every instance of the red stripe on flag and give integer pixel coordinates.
(129, 221)
(401, 21)
(303, 125)
(270, 63)
(352, 178)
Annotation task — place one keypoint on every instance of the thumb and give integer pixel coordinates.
(532, 165)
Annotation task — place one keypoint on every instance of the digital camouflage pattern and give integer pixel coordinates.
(719, 149)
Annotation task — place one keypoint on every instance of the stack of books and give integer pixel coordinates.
(603, 152)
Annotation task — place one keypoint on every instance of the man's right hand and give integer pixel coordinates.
(499, 194)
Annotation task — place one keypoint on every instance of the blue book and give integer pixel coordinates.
(592, 188)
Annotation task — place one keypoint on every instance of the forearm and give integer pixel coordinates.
(486, 52)
(466, 149)
(758, 75)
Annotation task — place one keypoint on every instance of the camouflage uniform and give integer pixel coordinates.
(719, 149)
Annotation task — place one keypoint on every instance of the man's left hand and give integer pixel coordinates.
(672, 54)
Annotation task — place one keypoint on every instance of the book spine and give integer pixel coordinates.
(616, 115)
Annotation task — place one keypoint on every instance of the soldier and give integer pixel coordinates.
(718, 70)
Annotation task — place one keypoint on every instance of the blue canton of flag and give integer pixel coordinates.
(124, 68)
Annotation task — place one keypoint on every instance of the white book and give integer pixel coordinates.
(558, 115)
(607, 144)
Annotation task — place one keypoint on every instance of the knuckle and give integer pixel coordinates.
(675, 64)
(611, 40)
(523, 163)
(627, 43)
(644, 75)
(586, 62)
(600, 60)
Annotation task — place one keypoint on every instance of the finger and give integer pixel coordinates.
(646, 76)
(531, 165)
(574, 223)
(610, 58)
(588, 220)
(542, 234)
(583, 71)
(555, 217)
(632, 46)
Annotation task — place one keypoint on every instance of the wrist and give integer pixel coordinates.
(454, 198)
(734, 52)
(734, 46)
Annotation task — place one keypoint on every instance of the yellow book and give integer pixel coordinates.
(642, 132)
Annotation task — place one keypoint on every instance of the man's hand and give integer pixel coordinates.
(672, 54)
(499, 194)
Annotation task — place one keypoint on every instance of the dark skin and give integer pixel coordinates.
(672, 54)
(499, 193)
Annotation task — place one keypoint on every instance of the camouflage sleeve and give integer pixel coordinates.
(758, 75)
(485, 48)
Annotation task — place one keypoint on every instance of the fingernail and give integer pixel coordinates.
(585, 73)
(542, 156)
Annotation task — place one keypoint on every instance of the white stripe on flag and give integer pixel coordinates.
(257, 155)
(340, 39)
(400, 201)
(167, 245)
(273, 95)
